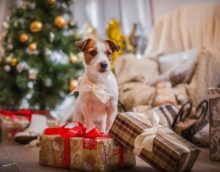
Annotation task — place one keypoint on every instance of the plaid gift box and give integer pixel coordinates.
(166, 150)
(214, 109)
(86, 154)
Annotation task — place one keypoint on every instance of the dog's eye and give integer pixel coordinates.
(93, 53)
(108, 53)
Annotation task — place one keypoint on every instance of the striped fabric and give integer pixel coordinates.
(166, 156)
(167, 110)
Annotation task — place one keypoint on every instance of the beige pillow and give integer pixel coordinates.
(178, 67)
(130, 69)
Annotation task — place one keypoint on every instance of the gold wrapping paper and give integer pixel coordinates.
(101, 154)
(10, 126)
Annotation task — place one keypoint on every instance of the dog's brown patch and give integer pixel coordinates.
(90, 51)
(114, 47)
(108, 51)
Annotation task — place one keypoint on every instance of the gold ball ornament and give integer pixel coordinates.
(32, 46)
(73, 84)
(23, 38)
(51, 2)
(73, 59)
(60, 22)
(36, 26)
(13, 61)
(72, 22)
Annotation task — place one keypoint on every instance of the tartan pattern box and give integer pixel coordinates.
(214, 110)
(85, 154)
(165, 155)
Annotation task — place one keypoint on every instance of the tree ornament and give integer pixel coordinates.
(5, 25)
(8, 59)
(51, 2)
(47, 52)
(89, 31)
(48, 82)
(72, 22)
(36, 26)
(32, 46)
(10, 46)
(7, 68)
(20, 67)
(72, 84)
(13, 61)
(23, 38)
(32, 74)
(51, 37)
(60, 22)
(73, 58)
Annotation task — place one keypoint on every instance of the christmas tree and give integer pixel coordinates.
(40, 62)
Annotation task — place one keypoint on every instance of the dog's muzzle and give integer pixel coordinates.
(103, 66)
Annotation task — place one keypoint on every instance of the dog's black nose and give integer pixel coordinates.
(103, 65)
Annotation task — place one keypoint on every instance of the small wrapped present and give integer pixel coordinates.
(10, 124)
(74, 149)
(150, 138)
(214, 109)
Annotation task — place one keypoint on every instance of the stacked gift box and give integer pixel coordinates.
(214, 110)
(12, 122)
(71, 148)
(147, 136)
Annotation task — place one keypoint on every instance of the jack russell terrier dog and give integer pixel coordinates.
(96, 105)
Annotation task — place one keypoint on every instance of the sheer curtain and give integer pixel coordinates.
(128, 12)
(99, 12)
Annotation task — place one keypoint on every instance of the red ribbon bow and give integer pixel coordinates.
(25, 112)
(7, 113)
(29, 112)
(76, 131)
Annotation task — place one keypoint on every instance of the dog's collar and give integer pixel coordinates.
(100, 91)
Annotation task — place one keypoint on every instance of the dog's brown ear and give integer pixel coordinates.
(81, 45)
(113, 46)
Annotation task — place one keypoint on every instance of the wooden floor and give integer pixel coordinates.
(20, 158)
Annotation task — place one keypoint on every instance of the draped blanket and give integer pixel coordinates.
(134, 76)
(192, 26)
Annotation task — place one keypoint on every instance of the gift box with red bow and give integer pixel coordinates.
(12, 122)
(150, 138)
(73, 148)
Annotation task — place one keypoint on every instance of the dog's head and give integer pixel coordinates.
(97, 54)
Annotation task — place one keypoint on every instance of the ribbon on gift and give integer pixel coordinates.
(157, 124)
(8, 113)
(23, 112)
(85, 85)
(76, 131)
(29, 112)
